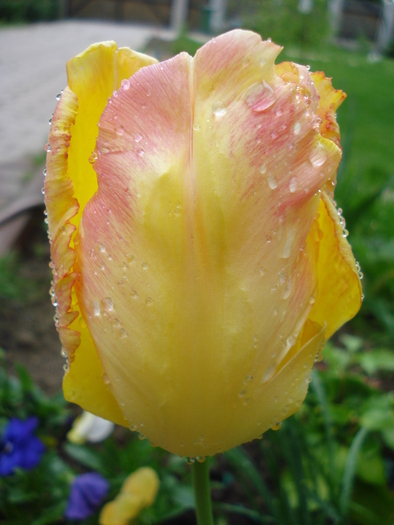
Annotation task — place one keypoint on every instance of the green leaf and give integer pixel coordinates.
(85, 456)
(377, 360)
(350, 470)
(370, 465)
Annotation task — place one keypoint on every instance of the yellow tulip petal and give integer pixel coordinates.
(330, 100)
(196, 274)
(121, 510)
(143, 483)
(70, 183)
(338, 295)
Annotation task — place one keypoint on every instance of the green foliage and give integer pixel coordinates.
(17, 11)
(283, 21)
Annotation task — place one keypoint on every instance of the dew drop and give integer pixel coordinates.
(96, 308)
(144, 266)
(291, 341)
(289, 243)
(269, 373)
(134, 294)
(263, 169)
(262, 271)
(260, 96)
(47, 147)
(108, 304)
(59, 95)
(101, 248)
(293, 185)
(106, 379)
(318, 156)
(119, 130)
(219, 109)
(137, 137)
(140, 152)
(63, 353)
(93, 157)
(276, 426)
(286, 293)
(125, 84)
(149, 301)
(200, 459)
(297, 128)
(272, 182)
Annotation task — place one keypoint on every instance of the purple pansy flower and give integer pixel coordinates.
(87, 493)
(19, 448)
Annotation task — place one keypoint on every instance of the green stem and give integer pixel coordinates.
(202, 494)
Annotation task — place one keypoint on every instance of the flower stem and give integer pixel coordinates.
(202, 494)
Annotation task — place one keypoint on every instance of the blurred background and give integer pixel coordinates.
(334, 461)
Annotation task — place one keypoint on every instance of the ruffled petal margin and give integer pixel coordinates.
(70, 183)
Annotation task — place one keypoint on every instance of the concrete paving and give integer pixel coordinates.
(32, 72)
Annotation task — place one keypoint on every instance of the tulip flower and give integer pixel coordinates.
(199, 259)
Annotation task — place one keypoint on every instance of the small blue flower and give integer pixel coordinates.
(87, 493)
(19, 448)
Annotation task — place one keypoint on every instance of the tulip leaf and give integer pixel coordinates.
(85, 456)
(350, 470)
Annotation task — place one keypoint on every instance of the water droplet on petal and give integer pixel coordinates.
(137, 137)
(276, 426)
(269, 373)
(293, 185)
(219, 109)
(108, 304)
(119, 130)
(140, 152)
(272, 182)
(291, 341)
(96, 308)
(288, 244)
(263, 169)
(297, 128)
(318, 156)
(125, 84)
(93, 157)
(260, 96)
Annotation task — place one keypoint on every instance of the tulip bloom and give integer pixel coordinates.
(199, 260)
